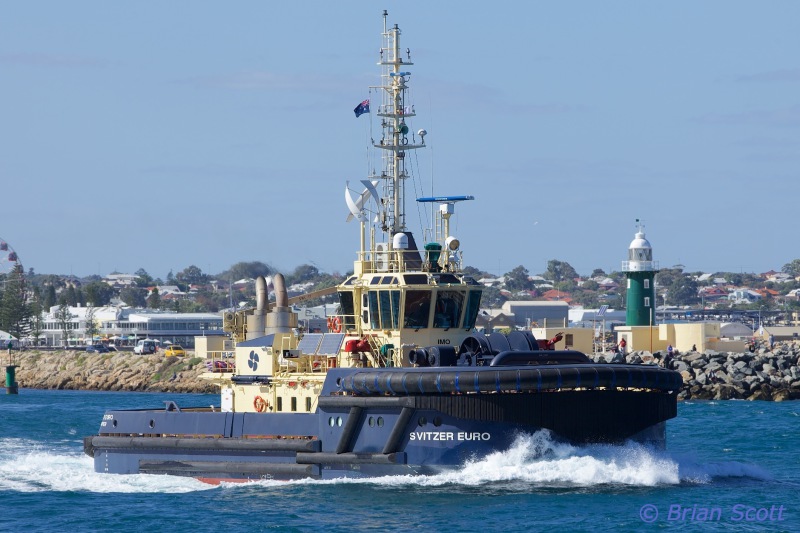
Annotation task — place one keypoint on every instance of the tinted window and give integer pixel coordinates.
(416, 309)
(416, 279)
(448, 309)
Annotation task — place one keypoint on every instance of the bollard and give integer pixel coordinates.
(12, 387)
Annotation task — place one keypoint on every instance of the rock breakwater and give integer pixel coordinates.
(115, 371)
(764, 374)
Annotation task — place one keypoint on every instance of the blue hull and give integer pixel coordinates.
(357, 435)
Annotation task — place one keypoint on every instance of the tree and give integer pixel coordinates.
(154, 300)
(98, 293)
(49, 297)
(246, 270)
(518, 279)
(191, 275)
(303, 274)
(792, 268)
(143, 279)
(64, 319)
(681, 289)
(134, 296)
(559, 271)
(71, 296)
(590, 285)
(91, 326)
(14, 311)
(598, 273)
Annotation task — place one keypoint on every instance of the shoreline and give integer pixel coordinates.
(771, 375)
(113, 371)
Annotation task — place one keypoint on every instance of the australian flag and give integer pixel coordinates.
(362, 108)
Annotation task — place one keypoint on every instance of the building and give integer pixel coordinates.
(529, 314)
(124, 326)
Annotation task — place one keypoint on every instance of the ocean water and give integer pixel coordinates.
(728, 466)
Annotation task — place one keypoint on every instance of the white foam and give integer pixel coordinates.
(536, 460)
(539, 460)
(29, 467)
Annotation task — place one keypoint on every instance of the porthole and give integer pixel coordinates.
(437, 421)
(371, 422)
(114, 423)
(152, 423)
(380, 421)
(331, 422)
(422, 421)
(339, 421)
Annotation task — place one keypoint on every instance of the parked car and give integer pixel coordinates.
(174, 350)
(97, 348)
(144, 347)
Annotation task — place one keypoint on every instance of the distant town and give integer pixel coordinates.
(50, 309)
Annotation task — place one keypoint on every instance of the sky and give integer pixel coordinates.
(159, 135)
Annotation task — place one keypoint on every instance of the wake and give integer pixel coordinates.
(535, 460)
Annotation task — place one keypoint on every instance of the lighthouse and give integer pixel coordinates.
(640, 271)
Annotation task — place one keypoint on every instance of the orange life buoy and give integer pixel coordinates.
(260, 404)
(334, 324)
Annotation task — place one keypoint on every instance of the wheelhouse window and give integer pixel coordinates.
(348, 309)
(473, 306)
(447, 312)
(417, 309)
(384, 309)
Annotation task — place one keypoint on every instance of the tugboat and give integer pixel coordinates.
(402, 383)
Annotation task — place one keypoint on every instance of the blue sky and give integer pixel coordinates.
(164, 134)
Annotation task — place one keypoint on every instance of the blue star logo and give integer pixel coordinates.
(252, 362)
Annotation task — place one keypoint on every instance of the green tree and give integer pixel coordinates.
(246, 270)
(98, 293)
(14, 310)
(590, 285)
(680, 288)
(143, 279)
(71, 296)
(558, 271)
(191, 275)
(154, 299)
(134, 296)
(64, 319)
(792, 268)
(598, 273)
(518, 279)
(49, 297)
(91, 326)
(303, 274)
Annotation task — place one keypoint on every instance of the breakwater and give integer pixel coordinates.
(114, 371)
(764, 374)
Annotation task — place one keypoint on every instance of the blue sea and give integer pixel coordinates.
(732, 466)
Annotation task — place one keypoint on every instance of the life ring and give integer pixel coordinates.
(334, 324)
(260, 404)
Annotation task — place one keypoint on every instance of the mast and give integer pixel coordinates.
(394, 111)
